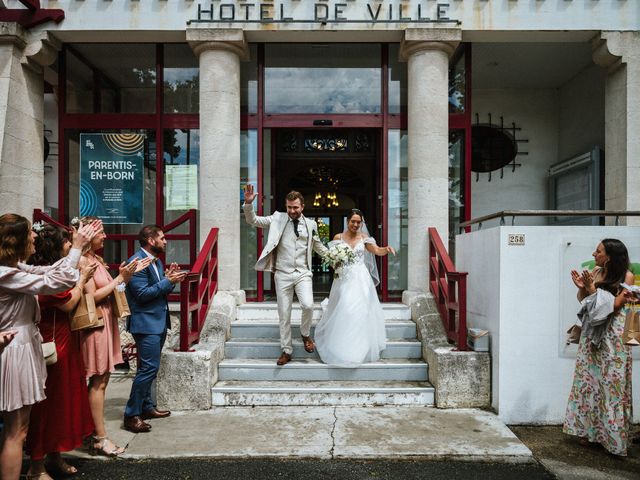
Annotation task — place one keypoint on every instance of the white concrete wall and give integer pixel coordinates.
(582, 113)
(536, 113)
(525, 297)
(490, 15)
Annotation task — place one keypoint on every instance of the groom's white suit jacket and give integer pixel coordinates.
(277, 223)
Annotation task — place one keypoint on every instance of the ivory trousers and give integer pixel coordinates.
(286, 284)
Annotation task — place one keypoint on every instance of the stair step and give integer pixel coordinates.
(308, 369)
(270, 348)
(269, 311)
(271, 329)
(263, 393)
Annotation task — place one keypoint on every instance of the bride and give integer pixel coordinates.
(351, 330)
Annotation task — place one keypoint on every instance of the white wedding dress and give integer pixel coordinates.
(351, 330)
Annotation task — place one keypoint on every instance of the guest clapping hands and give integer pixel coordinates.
(23, 371)
(101, 348)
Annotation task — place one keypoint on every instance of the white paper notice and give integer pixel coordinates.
(181, 187)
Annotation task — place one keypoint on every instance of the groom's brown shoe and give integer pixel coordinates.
(284, 359)
(309, 346)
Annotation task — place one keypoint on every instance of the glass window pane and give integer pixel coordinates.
(457, 85)
(456, 186)
(181, 155)
(268, 194)
(248, 233)
(322, 78)
(181, 79)
(397, 81)
(397, 210)
(114, 252)
(249, 82)
(80, 84)
(111, 78)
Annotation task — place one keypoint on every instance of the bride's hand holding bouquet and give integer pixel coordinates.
(338, 256)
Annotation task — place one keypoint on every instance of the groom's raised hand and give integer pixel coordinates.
(249, 194)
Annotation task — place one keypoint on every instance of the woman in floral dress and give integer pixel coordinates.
(599, 407)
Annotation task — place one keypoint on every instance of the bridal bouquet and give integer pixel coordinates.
(338, 256)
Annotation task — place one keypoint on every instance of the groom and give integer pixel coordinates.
(292, 238)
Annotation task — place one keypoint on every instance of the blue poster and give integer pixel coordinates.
(111, 176)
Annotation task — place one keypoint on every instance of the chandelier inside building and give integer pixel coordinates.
(326, 200)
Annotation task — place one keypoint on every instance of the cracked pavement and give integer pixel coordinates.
(317, 432)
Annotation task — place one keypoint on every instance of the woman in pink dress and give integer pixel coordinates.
(62, 421)
(101, 349)
(22, 368)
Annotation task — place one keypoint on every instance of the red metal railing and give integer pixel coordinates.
(131, 239)
(191, 236)
(197, 292)
(449, 288)
(40, 216)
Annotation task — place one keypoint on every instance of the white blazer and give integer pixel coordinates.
(277, 223)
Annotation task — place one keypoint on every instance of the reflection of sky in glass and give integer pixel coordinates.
(322, 90)
(184, 138)
(334, 78)
(175, 75)
(397, 81)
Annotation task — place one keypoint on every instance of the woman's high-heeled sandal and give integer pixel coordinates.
(60, 466)
(35, 476)
(100, 446)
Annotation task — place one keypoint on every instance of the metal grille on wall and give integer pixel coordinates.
(495, 147)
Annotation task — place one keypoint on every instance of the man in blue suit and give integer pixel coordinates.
(147, 293)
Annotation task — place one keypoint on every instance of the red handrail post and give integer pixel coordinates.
(197, 292)
(449, 289)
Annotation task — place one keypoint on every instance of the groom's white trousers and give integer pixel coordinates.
(286, 284)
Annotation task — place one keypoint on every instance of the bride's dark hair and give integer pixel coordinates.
(355, 211)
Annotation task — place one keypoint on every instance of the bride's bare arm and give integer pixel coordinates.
(376, 250)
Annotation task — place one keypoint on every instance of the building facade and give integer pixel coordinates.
(421, 113)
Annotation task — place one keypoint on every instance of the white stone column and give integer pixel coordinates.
(220, 53)
(21, 117)
(619, 52)
(427, 52)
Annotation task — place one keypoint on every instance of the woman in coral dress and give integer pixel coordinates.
(22, 367)
(62, 421)
(101, 349)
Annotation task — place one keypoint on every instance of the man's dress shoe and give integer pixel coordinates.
(155, 413)
(284, 359)
(136, 425)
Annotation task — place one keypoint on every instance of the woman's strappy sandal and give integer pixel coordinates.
(36, 476)
(104, 446)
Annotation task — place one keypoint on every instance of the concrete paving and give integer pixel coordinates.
(317, 432)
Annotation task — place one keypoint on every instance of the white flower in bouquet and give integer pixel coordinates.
(338, 256)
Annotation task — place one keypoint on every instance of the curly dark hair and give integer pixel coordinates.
(14, 238)
(617, 266)
(49, 243)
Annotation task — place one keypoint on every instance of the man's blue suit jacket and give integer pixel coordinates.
(147, 297)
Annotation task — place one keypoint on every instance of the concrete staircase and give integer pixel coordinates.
(248, 375)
